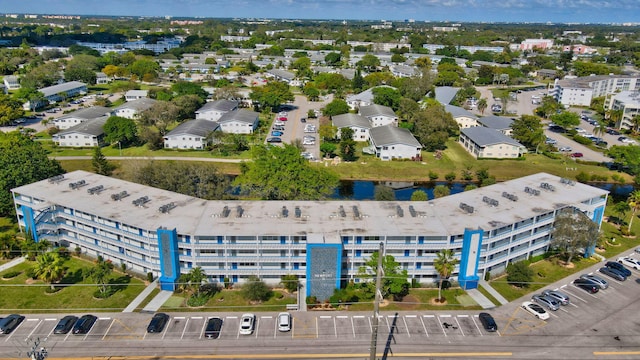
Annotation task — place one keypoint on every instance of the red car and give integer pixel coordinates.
(282, 118)
(577, 155)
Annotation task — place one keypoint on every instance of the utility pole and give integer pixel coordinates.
(376, 304)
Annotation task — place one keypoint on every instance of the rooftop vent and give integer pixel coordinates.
(399, 211)
(78, 184)
(166, 207)
(356, 212)
(466, 208)
(239, 211)
(298, 212)
(285, 212)
(531, 191)
(412, 211)
(141, 201)
(56, 179)
(119, 196)
(225, 211)
(95, 189)
(547, 186)
(490, 201)
(509, 196)
(342, 212)
(567, 182)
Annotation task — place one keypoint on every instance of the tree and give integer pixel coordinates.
(145, 68)
(255, 289)
(444, 264)
(328, 149)
(482, 105)
(22, 161)
(566, 119)
(332, 58)
(634, 205)
(290, 282)
(347, 144)
(419, 195)
(528, 130)
(83, 68)
(10, 109)
(161, 115)
(386, 96)
(336, 107)
(182, 88)
(120, 130)
(423, 62)
(49, 267)
(548, 106)
(191, 282)
(100, 164)
(272, 95)
(369, 62)
(621, 208)
(441, 191)
(573, 231)
(519, 274)
(100, 275)
(280, 173)
(384, 193)
(627, 156)
(398, 58)
(433, 126)
(187, 105)
(394, 281)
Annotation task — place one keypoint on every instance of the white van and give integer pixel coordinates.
(284, 322)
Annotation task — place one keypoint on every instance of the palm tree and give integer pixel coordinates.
(445, 263)
(482, 105)
(50, 267)
(635, 122)
(621, 208)
(100, 274)
(634, 203)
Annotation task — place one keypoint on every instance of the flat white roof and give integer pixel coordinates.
(193, 216)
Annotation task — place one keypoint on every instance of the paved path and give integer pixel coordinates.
(493, 292)
(480, 299)
(140, 298)
(158, 301)
(183, 158)
(12, 263)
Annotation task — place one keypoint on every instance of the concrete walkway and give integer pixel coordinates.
(158, 301)
(12, 263)
(482, 300)
(140, 298)
(493, 292)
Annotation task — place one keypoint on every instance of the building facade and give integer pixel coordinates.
(323, 242)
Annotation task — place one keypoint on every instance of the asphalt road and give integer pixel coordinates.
(604, 325)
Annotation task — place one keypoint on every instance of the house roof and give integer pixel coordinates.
(136, 93)
(483, 136)
(93, 127)
(218, 105)
(349, 119)
(11, 79)
(198, 127)
(457, 111)
(138, 105)
(389, 135)
(241, 115)
(444, 94)
(56, 89)
(366, 96)
(282, 74)
(87, 113)
(375, 110)
(496, 122)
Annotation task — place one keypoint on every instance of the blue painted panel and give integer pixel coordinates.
(169, 261)
(324, 269)
(29, 222)
(469, 259)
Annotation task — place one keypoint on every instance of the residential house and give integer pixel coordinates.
(284, 75)
(446, 94)
(482, 142)
(390, 142)
(55, 93)
(133, 109)
(358, 123)
(213, 110)
(132, 95)
(464, 118)
(500, 123)
(192, 134)
(11, 82)
(379, 115)
(101, 78)
(240, 121)
(79, 116)
(86, 134)
(364, 98)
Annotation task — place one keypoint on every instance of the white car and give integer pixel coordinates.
(247, 324)
(630, 262)
(536, 310)
(284, 322)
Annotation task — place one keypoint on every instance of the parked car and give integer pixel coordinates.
(247, 323)
(157, 323)
(304, 120)
(559, 296)
(282, 118)
(566, 149)
(630, 262)
(278, 128)
(586, 285)
(546, 301)
(84, 324)
(536, 310)
(602, 283)
(551, 141)
(613, 132)
(637, 250)
(214, 325)
(274, 140)
(284, 322)
(308, 156)
(65, 324)
(488, 322)
(276, 133)
(8, 324)
(577, 155)
(613, 273)
(614, 265)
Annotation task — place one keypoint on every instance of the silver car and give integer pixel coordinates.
(602, 283)
(546, 301)
(560, 296)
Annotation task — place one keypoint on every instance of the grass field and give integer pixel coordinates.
(232, 300)
(76, 293)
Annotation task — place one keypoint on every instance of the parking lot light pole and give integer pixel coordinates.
(376, 305)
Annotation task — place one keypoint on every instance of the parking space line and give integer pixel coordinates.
(424, 327)
(257, 327)
(442, 327)
(231, 317)
(341, 317)
(476, 324)
(50, 319)
(109, 328)
(576, 296)
(185, 329)
(552, 314)
(353, 327)
(462, 315)
(104, 318)
(266, 317)
(318, 331)
(34, 329)
(196, 317)
(325, 317)
(179, 317)
(32, 320)
(204, 325)
(459, 327)
(561, 309)
(406, 326)
(593, 296)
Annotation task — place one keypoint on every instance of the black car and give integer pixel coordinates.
(8, 324)
(274, 140)
(488, 322)
(587, 285)
(613, 273)
(157, 323)
(621, 268)
(213, 328)
(84, 324)
(65, 324)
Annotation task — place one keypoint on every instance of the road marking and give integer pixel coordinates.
(474, 321)
(353, 328)
(424, 327)
(561, 309)
(552, 314)
(406, 326)
(604, 353)
(50, 319)
(325, 317)
(411, 316)
(429, 316)
(324, 356)
(196, 317)
(266, 317)
(34, 329)
(576, 296)
(185, 329)
(104, 318)
(358, 316)
(341, 317)
(179, 317)
(442, 327)
(232, 317)
(444, 316)
(463, 316)
(109, 328)
(459, 327)
(33, 319)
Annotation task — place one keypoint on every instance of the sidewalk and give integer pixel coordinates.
(480, 299)
(12, 263)
(493, 292)
(158, 301)
(140, 298)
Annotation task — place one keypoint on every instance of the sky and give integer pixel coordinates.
(538, 11)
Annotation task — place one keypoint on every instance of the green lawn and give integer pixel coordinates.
(77, 295)
(422, 299)
(484, 292)
(232, 300)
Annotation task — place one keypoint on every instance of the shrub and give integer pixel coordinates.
(519, 274)
(149, 276)
(311, 300)
(11, 274)
(30, 273)
(582, 140)
(583, 177)
(450, 176)
(433, 176)
(197, 300)
(78, 250)
(487, 276)
(64, 253)
(209, 289)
